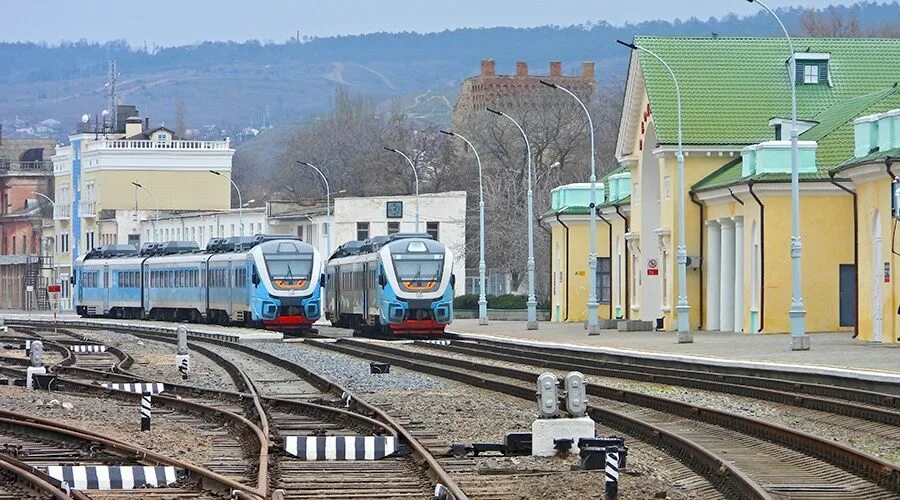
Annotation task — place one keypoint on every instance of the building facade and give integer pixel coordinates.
(737, 180)
(26, 177)
(107, 181)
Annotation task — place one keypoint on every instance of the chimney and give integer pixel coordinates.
(487, 67)
(555, 68)
(521, 68)
(146, 124)
(587, 70)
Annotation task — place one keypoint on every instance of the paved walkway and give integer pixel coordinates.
(834, 350)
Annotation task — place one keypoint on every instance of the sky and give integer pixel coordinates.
(180, 22)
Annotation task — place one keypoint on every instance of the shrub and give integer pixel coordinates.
(467, 301)
(508, 301)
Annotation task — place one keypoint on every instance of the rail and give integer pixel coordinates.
(177, 145)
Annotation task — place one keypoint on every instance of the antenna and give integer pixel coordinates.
(111, 94)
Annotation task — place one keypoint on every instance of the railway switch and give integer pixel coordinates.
(547, 395)
(576, 394)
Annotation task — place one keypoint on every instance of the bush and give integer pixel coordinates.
(465, 302)
(509, 301)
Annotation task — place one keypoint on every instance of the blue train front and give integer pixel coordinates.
(262, 281)
(402, 284)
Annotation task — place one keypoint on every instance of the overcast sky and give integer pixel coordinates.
(177, 22)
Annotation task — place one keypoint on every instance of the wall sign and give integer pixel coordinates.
(887, 272)
(394, 209)
(652, 268)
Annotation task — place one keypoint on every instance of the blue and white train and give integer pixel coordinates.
(263, 281)
(397, 285)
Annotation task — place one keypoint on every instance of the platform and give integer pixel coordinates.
(830, 354)
(227, 333)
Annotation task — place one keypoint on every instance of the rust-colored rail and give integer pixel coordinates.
(873, 469)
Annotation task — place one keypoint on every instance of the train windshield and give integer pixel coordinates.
(419, 271)
(288, 266)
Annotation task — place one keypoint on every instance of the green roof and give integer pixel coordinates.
(731, 87)
(870, 158)
(833, 134)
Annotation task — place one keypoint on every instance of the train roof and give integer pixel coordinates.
(215, 245)
(375, 243)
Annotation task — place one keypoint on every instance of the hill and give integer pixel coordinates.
(250, 84)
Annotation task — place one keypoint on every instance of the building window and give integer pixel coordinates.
(232, 230)
(433, 229)
(362, 231)
(810, 73)
(300, 232)
(604, 280)
(393, 227)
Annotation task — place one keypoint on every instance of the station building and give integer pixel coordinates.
(874, 170)
(737, 169)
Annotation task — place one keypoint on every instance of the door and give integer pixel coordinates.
(105, 292)
(847, 293)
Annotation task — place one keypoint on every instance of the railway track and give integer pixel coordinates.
(761, 460)
(289, 407)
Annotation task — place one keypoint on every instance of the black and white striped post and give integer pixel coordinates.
(612, 473)
(145, 411)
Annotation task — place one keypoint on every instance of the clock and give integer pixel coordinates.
(394, 209)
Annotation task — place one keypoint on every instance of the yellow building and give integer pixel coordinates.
(96, 199)
(874, 170)
(737, 164)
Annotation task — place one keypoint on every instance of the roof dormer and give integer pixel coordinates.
(813, 68)
(783, 127)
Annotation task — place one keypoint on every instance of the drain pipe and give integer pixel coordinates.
(855, 250)
(696, 201)
(563, 224)
(627, 296)
(608, 223)
(762, 258)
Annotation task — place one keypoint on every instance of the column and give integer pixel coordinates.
(726, 291)
(713, 258)
(739, 274)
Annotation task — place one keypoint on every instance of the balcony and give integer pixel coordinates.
(168, 145)
(25, 167)
(62, 211)
(87, 208)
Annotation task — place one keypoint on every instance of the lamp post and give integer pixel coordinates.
(327, 205)
(799, 338)
(592, 306)
(415, 173)
(682, 308)
(240, 202)
(532, 301)
(155, 224)
(482, 299)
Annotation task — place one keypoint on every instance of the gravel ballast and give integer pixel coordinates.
(849, 431)
(155, 361)
(458, 413)
(112, 418)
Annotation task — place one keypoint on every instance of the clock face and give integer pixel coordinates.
(395, 209)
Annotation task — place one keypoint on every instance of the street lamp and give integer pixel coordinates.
(413, 167)
(482, 299)
(682, 308)
(327, 205)
(592, 306)
(42, 195)
(240, 202)
(532, 301)
(155, 224)
(799, 338)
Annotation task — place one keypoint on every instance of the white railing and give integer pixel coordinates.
(62, 211)
(87, 208)
(168, 145)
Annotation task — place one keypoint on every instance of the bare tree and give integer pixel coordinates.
(180, 128)
(828, 23)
